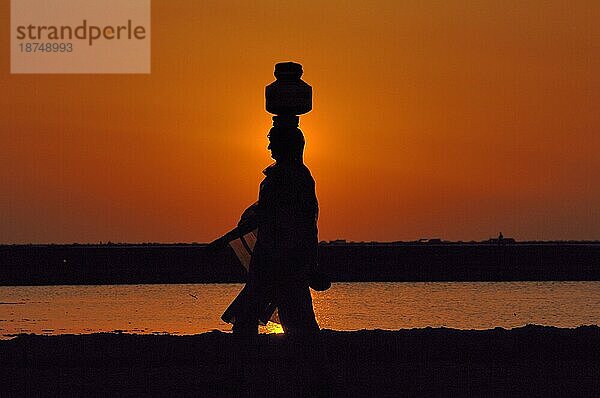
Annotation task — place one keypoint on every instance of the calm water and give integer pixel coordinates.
(196, 308)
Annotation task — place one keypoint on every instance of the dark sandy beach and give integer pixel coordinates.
(528, 361)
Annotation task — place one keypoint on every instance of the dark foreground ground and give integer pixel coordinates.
(529, 361)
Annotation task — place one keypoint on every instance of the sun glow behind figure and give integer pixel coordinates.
(271, 327)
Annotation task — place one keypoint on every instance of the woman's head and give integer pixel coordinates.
(286, 143)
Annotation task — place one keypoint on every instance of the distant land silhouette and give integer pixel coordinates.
(425, 260)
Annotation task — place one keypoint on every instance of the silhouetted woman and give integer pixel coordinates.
(285, 254)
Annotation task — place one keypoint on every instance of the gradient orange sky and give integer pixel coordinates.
(431, 119)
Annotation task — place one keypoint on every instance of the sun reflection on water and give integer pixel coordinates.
(147, 309)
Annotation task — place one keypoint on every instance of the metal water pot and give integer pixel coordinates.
(288, 94)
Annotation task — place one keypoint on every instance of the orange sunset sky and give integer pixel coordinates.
(431, 119)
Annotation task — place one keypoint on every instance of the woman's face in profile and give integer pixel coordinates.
(275, 150)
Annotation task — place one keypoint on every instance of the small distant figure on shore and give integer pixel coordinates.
(501, 240)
